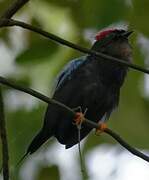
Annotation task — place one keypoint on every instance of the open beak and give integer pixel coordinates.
(127, 34)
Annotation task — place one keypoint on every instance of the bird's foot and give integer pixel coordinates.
(79, 118)
(101, 128)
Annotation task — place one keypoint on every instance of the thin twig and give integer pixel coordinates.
(11, 22)
(126, 145)
(3, 134)
(69, 110)
(13, 8)
(79, 147)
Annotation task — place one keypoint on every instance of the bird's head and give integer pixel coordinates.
(117, 33)
(114, 42)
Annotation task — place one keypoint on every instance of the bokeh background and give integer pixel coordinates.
(34, 61)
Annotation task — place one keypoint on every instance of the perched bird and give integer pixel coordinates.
(89, 83)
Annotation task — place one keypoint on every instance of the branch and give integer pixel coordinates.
(34, 93)
(3, 135)
(13, 8)
(11, 22)
(126, 145)
(92, 124)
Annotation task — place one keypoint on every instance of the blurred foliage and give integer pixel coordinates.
(20, 134)
(37, 52)
(39, 60)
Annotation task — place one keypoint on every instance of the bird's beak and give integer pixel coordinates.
(127, 34)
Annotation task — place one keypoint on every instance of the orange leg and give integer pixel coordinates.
(101, 128)
(79, 118)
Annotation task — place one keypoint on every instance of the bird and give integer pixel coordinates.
(89, 84)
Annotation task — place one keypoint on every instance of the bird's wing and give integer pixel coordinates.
(66, 73)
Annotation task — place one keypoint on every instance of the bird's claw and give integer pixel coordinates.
(79, 118)
(101, 128)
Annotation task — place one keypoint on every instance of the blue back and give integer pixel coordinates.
(66, 73)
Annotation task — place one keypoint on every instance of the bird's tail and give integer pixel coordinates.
(38, 140)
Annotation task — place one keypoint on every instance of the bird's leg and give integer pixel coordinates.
(101, 128)
(79, 118)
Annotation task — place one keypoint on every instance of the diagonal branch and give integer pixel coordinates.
(126, 145)
(11, 22)
(92, 124)
(33, 93)
(13, 8)
(3, 135)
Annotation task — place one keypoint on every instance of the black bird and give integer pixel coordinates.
(89, 82)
